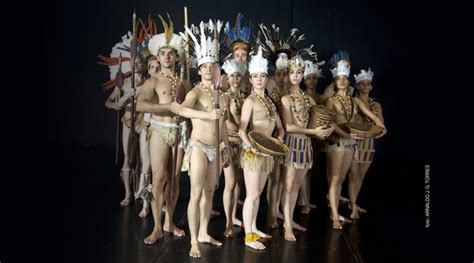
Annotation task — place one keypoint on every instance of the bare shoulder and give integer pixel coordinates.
(249, 101)
(285, 99)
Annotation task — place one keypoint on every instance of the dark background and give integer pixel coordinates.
(389, 36)
(409, 45)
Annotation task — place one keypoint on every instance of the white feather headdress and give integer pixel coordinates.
(364, 75)
(313, 68)
(230, 66)
(258, 64)
(206, 49)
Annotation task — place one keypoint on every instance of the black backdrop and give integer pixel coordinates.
(408, 44)
(391, 37)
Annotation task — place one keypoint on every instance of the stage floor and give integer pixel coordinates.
(87, 224)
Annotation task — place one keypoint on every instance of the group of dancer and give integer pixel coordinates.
(268, 85)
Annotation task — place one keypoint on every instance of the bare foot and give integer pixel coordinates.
(237, 222)
(342, 219)
(255, 245)
(144, 212)
(289, 235)
(343, 199)
(273, 222)
(355, 214)
(361, 210)
(173, 229)
(298, 226)
(163, 209)
(305, 210)
(336, 224)
(209, 239)
(153, 237)
(228, 232)
(195, 252)
(126, 201)
(262, 235)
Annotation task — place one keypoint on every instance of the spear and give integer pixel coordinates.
(216, 80)
(119, 85)
(132, 139)
(179, 99)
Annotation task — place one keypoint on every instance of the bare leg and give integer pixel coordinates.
(228, 198)
(282, 171)
(206, 205)
(272, 196)
(235, 220)
(293, 180)
(339, 164)
(145, 173)
(125, 173)
(169, 225)
(252, 187)
(160, 158)
(356, 178)
(197, 179)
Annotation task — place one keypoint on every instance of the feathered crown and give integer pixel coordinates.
(143, 37)
(296, 62)
(238, 36)
(206, 49)
(273, 43)
(313, 68)
(341, 64)
(168, 39)
(230, 66)
(258, 64)
(119, 59)
(364, 75)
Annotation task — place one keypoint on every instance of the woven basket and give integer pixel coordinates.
(267, 144)
(234, 138)
(364, 130)
(320, 116)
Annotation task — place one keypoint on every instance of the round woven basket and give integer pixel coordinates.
(267, 144)
(320, 116)
(364, 130)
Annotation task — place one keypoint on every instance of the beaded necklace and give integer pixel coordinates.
(212, 97)
(301, 110)
(174, 83)
(271, 115)
(373, 108)
(238, 99)
(348, 106)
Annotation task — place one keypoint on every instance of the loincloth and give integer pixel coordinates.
(208, 149)
(167, 131)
